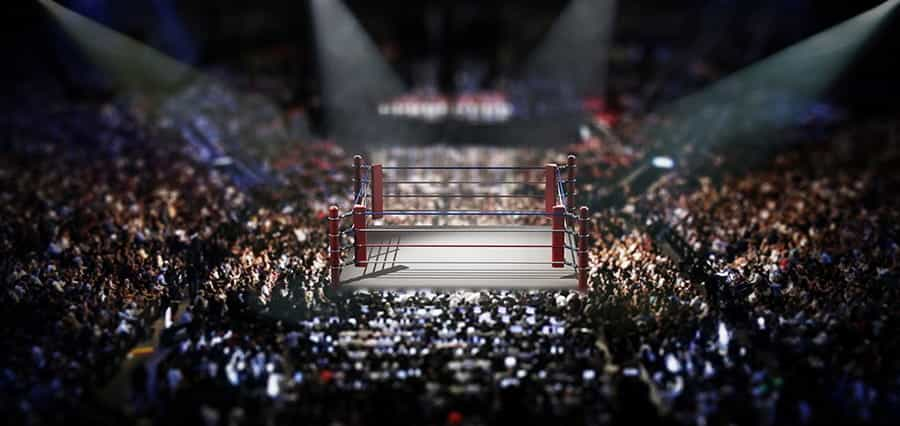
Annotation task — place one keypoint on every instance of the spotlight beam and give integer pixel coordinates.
(354, 75)
(576, 47)
(748, 106)
(131, 64)
(138, 68)
(766, 96)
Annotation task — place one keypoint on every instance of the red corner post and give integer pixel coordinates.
(377, 191)
(559, 236)
(334, 245)
(549, 187)
(357, 176)
(583, 236)
(359, 223)
(570, 183)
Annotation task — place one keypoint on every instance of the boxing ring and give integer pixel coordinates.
(368, 252)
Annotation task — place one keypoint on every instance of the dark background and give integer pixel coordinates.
(275, 36)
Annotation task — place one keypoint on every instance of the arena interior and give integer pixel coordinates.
(168, 171)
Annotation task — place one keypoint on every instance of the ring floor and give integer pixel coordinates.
(443, 267)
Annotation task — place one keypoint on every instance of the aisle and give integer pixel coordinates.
(118, 391)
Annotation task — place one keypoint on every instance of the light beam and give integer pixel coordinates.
(575, 49)
(747, 106)
(131, 64)
(136, 68)
(355, 77)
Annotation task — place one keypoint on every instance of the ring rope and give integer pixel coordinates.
(364, 230)
(482, 195)
(560, 190)
(461, 182)
(461, 213)
(452, 245)
(463, 262)
(363, 195)
(463, 168)
(563, 198)
(567, 231)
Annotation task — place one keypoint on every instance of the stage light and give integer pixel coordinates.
(355, 78)
(663, 162)
(575, 49)
(160, 80)
(130, 64)
(747, 106)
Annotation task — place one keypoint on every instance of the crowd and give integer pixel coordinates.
(106, 222)
(759, 298)
(781, 277)
(802, 257)
(464, 189)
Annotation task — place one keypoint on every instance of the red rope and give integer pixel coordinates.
(389, 245)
